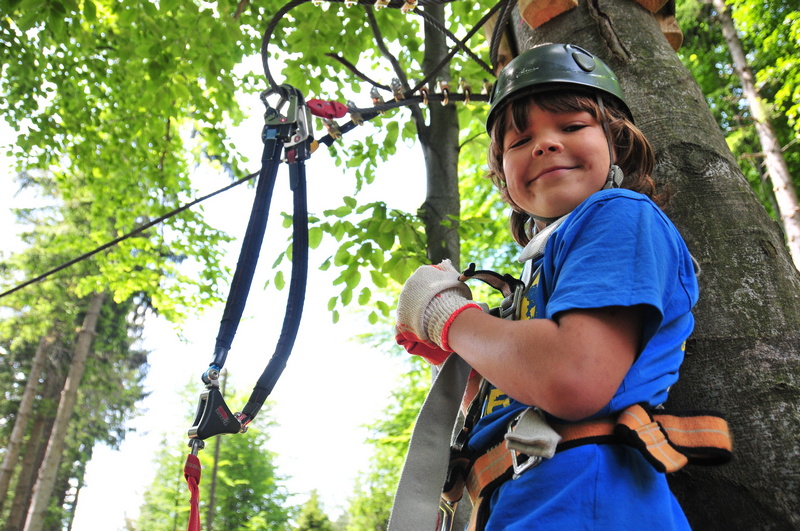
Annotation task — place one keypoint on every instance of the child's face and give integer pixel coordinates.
(556, 162)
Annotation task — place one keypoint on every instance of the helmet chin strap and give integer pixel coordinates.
(615, 175)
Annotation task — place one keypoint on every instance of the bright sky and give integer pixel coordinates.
(331, 387)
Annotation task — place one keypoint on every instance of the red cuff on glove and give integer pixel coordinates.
(446, 329)
(425, 349)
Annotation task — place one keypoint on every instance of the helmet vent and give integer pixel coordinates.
(586, 62)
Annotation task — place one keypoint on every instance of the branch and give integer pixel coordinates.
(350, 66)
(240, 8)
(376, 32)
(416, 114)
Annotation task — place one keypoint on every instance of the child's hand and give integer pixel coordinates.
(431, 298)
(414, 345)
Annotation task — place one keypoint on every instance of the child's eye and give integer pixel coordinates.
(574, 127)
(517, 142)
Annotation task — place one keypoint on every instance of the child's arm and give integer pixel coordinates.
(570, 368)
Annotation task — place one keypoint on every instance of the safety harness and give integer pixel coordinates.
(668, 440)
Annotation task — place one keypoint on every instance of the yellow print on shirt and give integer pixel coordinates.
(495, 400)
(528, 307)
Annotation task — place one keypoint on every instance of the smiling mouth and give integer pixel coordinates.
(551, 170)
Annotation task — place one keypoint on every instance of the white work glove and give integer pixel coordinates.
(431, 299)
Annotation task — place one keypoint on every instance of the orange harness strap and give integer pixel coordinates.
(668, 440)
(671, 440)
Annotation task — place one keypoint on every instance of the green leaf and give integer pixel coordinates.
(89, 10)
(384, 308)
(376, 258)
(280, 282)
(392, 132)
(314, 237)
(364, 296)
(378, 279)
(346, 296)
(342, 256)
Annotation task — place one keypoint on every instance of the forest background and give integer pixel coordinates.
(123, 112)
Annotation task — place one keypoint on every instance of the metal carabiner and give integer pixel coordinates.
(531, 461)
(447, 515)
(287, 94)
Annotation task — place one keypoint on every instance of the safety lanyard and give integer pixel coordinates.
(289, 132)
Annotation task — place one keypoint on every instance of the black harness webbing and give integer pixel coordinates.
(290, 132)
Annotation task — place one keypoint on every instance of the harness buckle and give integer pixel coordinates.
(518, 466)
(531, 461)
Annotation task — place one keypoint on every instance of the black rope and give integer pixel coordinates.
(270, 29)
(459, 43)
(417, 99)
(350, 66)
(126, 236)
(395, 4)
(499, 30)
(373, 111)
(469, 35)
(268, 34)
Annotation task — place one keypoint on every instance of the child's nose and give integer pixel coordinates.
(546, 146)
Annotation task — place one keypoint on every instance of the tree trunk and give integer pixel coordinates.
(22, 418)
(32, 458)
(743, 356)
(61, 488)
(442, 208)
(47, 473)
(777, 170)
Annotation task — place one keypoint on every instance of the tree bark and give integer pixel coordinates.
(47, 472)
(439, 139)
(777, 170)
(743, 356)
(23, 418)
(33, 455)
(442, 207)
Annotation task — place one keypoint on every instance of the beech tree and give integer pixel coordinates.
(743, 356)
(747, 92)
(110, 117)
(119, 90)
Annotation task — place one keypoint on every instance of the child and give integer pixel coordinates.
(606, 308)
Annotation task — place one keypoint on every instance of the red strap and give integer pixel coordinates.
(191, 471)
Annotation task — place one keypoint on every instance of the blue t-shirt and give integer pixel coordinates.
(615, 249)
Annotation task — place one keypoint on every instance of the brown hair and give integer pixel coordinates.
(634, 154)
